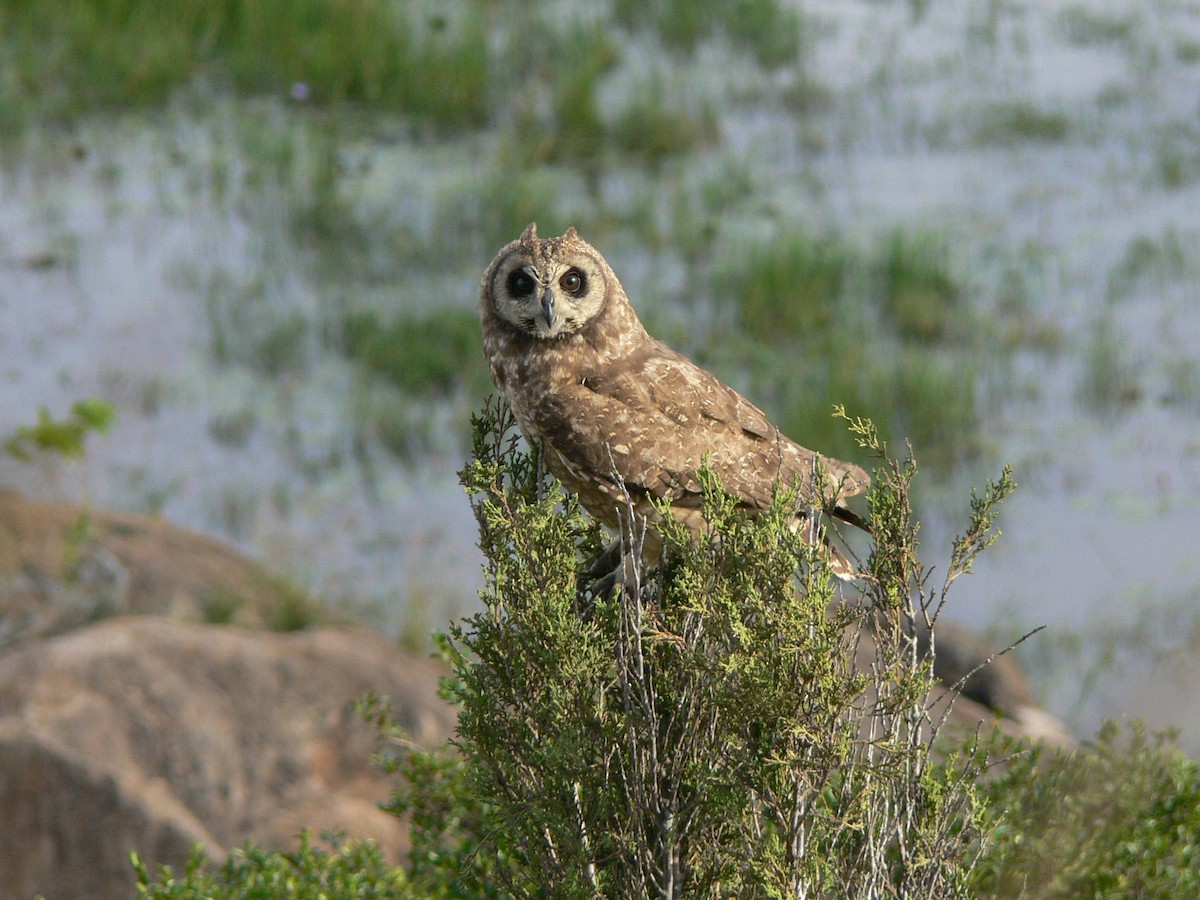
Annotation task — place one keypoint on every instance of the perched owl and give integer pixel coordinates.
(616, 411)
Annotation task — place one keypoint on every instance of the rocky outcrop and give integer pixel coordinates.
(62, 566)
(148, 734)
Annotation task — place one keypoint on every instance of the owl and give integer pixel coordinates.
(621, 418)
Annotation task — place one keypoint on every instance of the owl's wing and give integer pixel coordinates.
(652, 417)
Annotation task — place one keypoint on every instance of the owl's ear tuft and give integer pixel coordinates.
(571, 234)
(530, 232)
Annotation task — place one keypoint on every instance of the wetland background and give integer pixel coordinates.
(257, 231)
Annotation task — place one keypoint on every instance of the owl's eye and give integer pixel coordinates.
(572, 281)
(520, 283)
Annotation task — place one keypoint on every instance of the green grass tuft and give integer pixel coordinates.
(791, 288)
(920, 293)
(653, 130)
(771, 32)
(430, 356)
(1111, 381)
(1006, 124)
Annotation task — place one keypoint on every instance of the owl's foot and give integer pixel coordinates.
(611, 569)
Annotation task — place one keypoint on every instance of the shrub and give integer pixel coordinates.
(709, 729)
(1120, 818)
(356, 869)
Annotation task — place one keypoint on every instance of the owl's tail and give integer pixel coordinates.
(840, 512)
(839, 564)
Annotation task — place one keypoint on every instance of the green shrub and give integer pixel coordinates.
(706, 730)
(351, 870)
(1118, 818)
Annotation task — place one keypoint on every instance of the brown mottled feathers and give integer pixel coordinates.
(608, 403)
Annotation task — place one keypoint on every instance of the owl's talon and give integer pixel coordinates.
(605, 563)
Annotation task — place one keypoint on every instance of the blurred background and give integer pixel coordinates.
(257, 230)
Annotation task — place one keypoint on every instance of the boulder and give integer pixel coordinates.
(146, 734)
(62, 566)
(991, 686)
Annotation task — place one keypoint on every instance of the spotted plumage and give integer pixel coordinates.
(616, 411)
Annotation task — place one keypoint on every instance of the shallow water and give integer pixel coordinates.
(113, 242)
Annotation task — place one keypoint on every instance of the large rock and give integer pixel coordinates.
(62, 566)
(154, 735)
(992, 688)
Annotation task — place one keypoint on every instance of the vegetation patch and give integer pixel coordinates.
(1112, 379)
(343, 870)
(1019, 122)
(1120, 818)
(792, 288)
(424, 355)
(704, 731)
(887, 330)
(769, 31)
(95, 54)
(920, 294)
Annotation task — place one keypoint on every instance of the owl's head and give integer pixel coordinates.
(547, 288)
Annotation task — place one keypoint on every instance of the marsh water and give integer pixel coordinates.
(1056, 146)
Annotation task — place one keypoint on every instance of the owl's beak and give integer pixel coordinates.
(548, 308)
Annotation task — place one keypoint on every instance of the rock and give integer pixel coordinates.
(992, 687)
(62, 566)
(977, 688)
(146, 734)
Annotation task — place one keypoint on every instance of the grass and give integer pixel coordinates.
(294, 610)
(648, 129)
(791, 288)
(1187, 51)
(1148, 262)
(820, 320)
(233, 429)
(482, 214)
(249, 325)
(91, 55)
(651, 129)
(1018, 122)
(921, 295)
(768, 31)
(422, 355)
(1085, 27)
(1111, 380)
(1176, 159)
(1182, 374)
